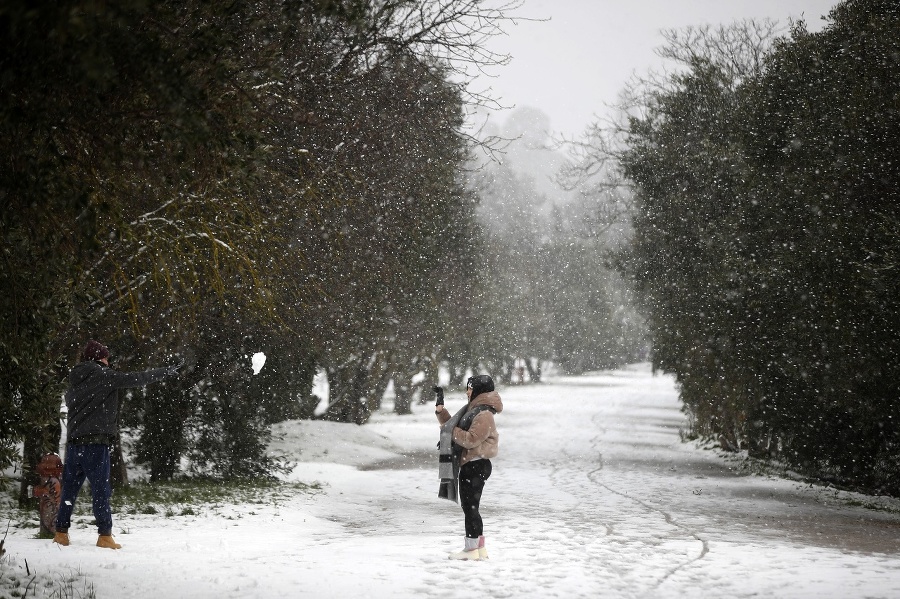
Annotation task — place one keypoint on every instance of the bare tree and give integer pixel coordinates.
(737, 52)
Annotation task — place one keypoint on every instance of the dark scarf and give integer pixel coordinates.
(450, 452)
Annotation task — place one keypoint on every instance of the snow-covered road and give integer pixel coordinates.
(593, 495)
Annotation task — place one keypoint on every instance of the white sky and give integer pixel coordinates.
(571, 66)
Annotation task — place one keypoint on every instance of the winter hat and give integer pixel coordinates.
(94, 350)
(481, 383)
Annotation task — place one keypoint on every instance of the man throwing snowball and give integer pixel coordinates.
(93, 402)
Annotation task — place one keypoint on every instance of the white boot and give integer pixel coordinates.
(482, 552)
(470, 552)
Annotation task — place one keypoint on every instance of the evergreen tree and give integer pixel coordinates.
(763, 241)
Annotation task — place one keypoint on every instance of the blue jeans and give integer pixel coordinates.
(91, 462)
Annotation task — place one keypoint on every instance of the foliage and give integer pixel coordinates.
(547, 291)
(198, 494)
(215, 179)
(765, 240)
(594, 323)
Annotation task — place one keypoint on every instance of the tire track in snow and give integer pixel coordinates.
(594, 476)
(557, 516)
(551, 516)
(560, 480)
(669, 520)
(585, 511)
(586, 522)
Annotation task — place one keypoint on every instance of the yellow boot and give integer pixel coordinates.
(107, 542)
(61, 538)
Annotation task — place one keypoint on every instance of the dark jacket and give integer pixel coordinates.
(93, 397)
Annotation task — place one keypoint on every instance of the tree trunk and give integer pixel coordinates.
(456, 376)
(31, 454)
(162, 440)
(430, 380)
(534, 372)
(308, 402)
(41, 438)
(404, 393)
(373, 402)
(348, 394)
(509, 368)
(118, 475)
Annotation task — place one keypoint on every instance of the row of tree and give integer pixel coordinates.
(214, 179)
(766, 242)
(554, 297)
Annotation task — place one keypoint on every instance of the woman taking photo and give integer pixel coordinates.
(470, 440)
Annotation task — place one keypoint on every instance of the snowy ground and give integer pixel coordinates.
(593, 495)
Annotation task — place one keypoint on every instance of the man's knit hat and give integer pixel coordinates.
(94, 350)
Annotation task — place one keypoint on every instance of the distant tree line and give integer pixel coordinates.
(766, 237)
(554, 297)
(214, 179)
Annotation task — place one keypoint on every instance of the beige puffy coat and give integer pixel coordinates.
(482, 439)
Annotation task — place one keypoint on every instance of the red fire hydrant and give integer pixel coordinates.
(48, 491)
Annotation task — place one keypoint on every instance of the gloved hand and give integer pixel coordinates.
(439, 395)
(173, 368)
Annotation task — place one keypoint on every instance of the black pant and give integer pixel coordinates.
(471, 483)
